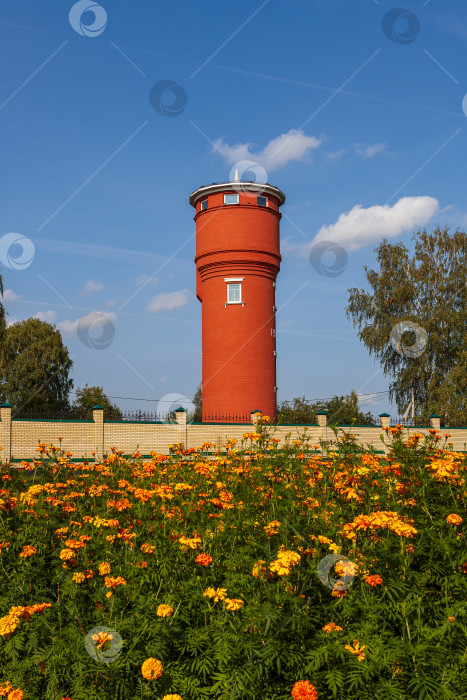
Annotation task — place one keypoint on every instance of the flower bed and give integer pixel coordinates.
(269, 572)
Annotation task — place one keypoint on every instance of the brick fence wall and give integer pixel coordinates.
(19, 437)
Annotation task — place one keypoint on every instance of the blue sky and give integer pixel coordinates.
(370, 125)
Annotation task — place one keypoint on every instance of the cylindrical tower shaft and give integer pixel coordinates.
(237, 261)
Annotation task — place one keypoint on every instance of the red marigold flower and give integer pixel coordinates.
(203, 559)
(374, 580)
(304, 690)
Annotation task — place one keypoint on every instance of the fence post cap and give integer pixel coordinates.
(6, 405)
(321, 413)
(97, 407)
(384, 415)
(180, 409)
(256, 411)
(435, 415)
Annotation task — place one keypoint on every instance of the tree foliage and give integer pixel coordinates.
(35, 367)
(413, 319)
(341, 410)
(90, 396)
(2, 316)
(198, 403)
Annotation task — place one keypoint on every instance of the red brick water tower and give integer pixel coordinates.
(237, 261)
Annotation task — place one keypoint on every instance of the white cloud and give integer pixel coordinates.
(48, 316)
(10, 295)
(360, 227)
(294, 145)
(370, 150)
(166, 302)
(92, 286)
(11, 320)
(67, 327)
(361, 149)
(146, 280)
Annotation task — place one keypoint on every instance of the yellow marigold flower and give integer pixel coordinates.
(304, 690)
(151, 669)
(452, 519)
(259, 567)
(216, 593)
(356, 649)
(67, 554)
(279, 567)
(104, 568)
(191, 542)
(331, 627)
(27, 551)
(78, 577)
(164, 611)
(172, 696)
(233, 603)
(8, 624)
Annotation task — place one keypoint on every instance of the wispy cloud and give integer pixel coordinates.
(146, 280)
(91, 287)
(363, 150)
(171, 300)
(48, 316)
(10, 295)
(294, 145)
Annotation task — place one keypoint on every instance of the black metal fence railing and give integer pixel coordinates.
(50, 414)
(143, 417)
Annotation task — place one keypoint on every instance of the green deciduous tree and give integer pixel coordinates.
(35, 367)
(413, 319)
(2, 316)
(341, 410)
(90, 396)
(198, 403)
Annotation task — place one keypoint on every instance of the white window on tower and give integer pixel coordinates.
(234, 290)
(234, 293)
(204, 204)
(231, 199)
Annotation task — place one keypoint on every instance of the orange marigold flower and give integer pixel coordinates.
(331, 627)
(374, 580)
(101, 638)
(454, 519)
(172, 696)
(164, 610)
(148, 548)
(451, 619)
(304, 690)
(15, 694)
(113, 581)
(104, 568)
(27, 551)
(151, 669)
(203, 559)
